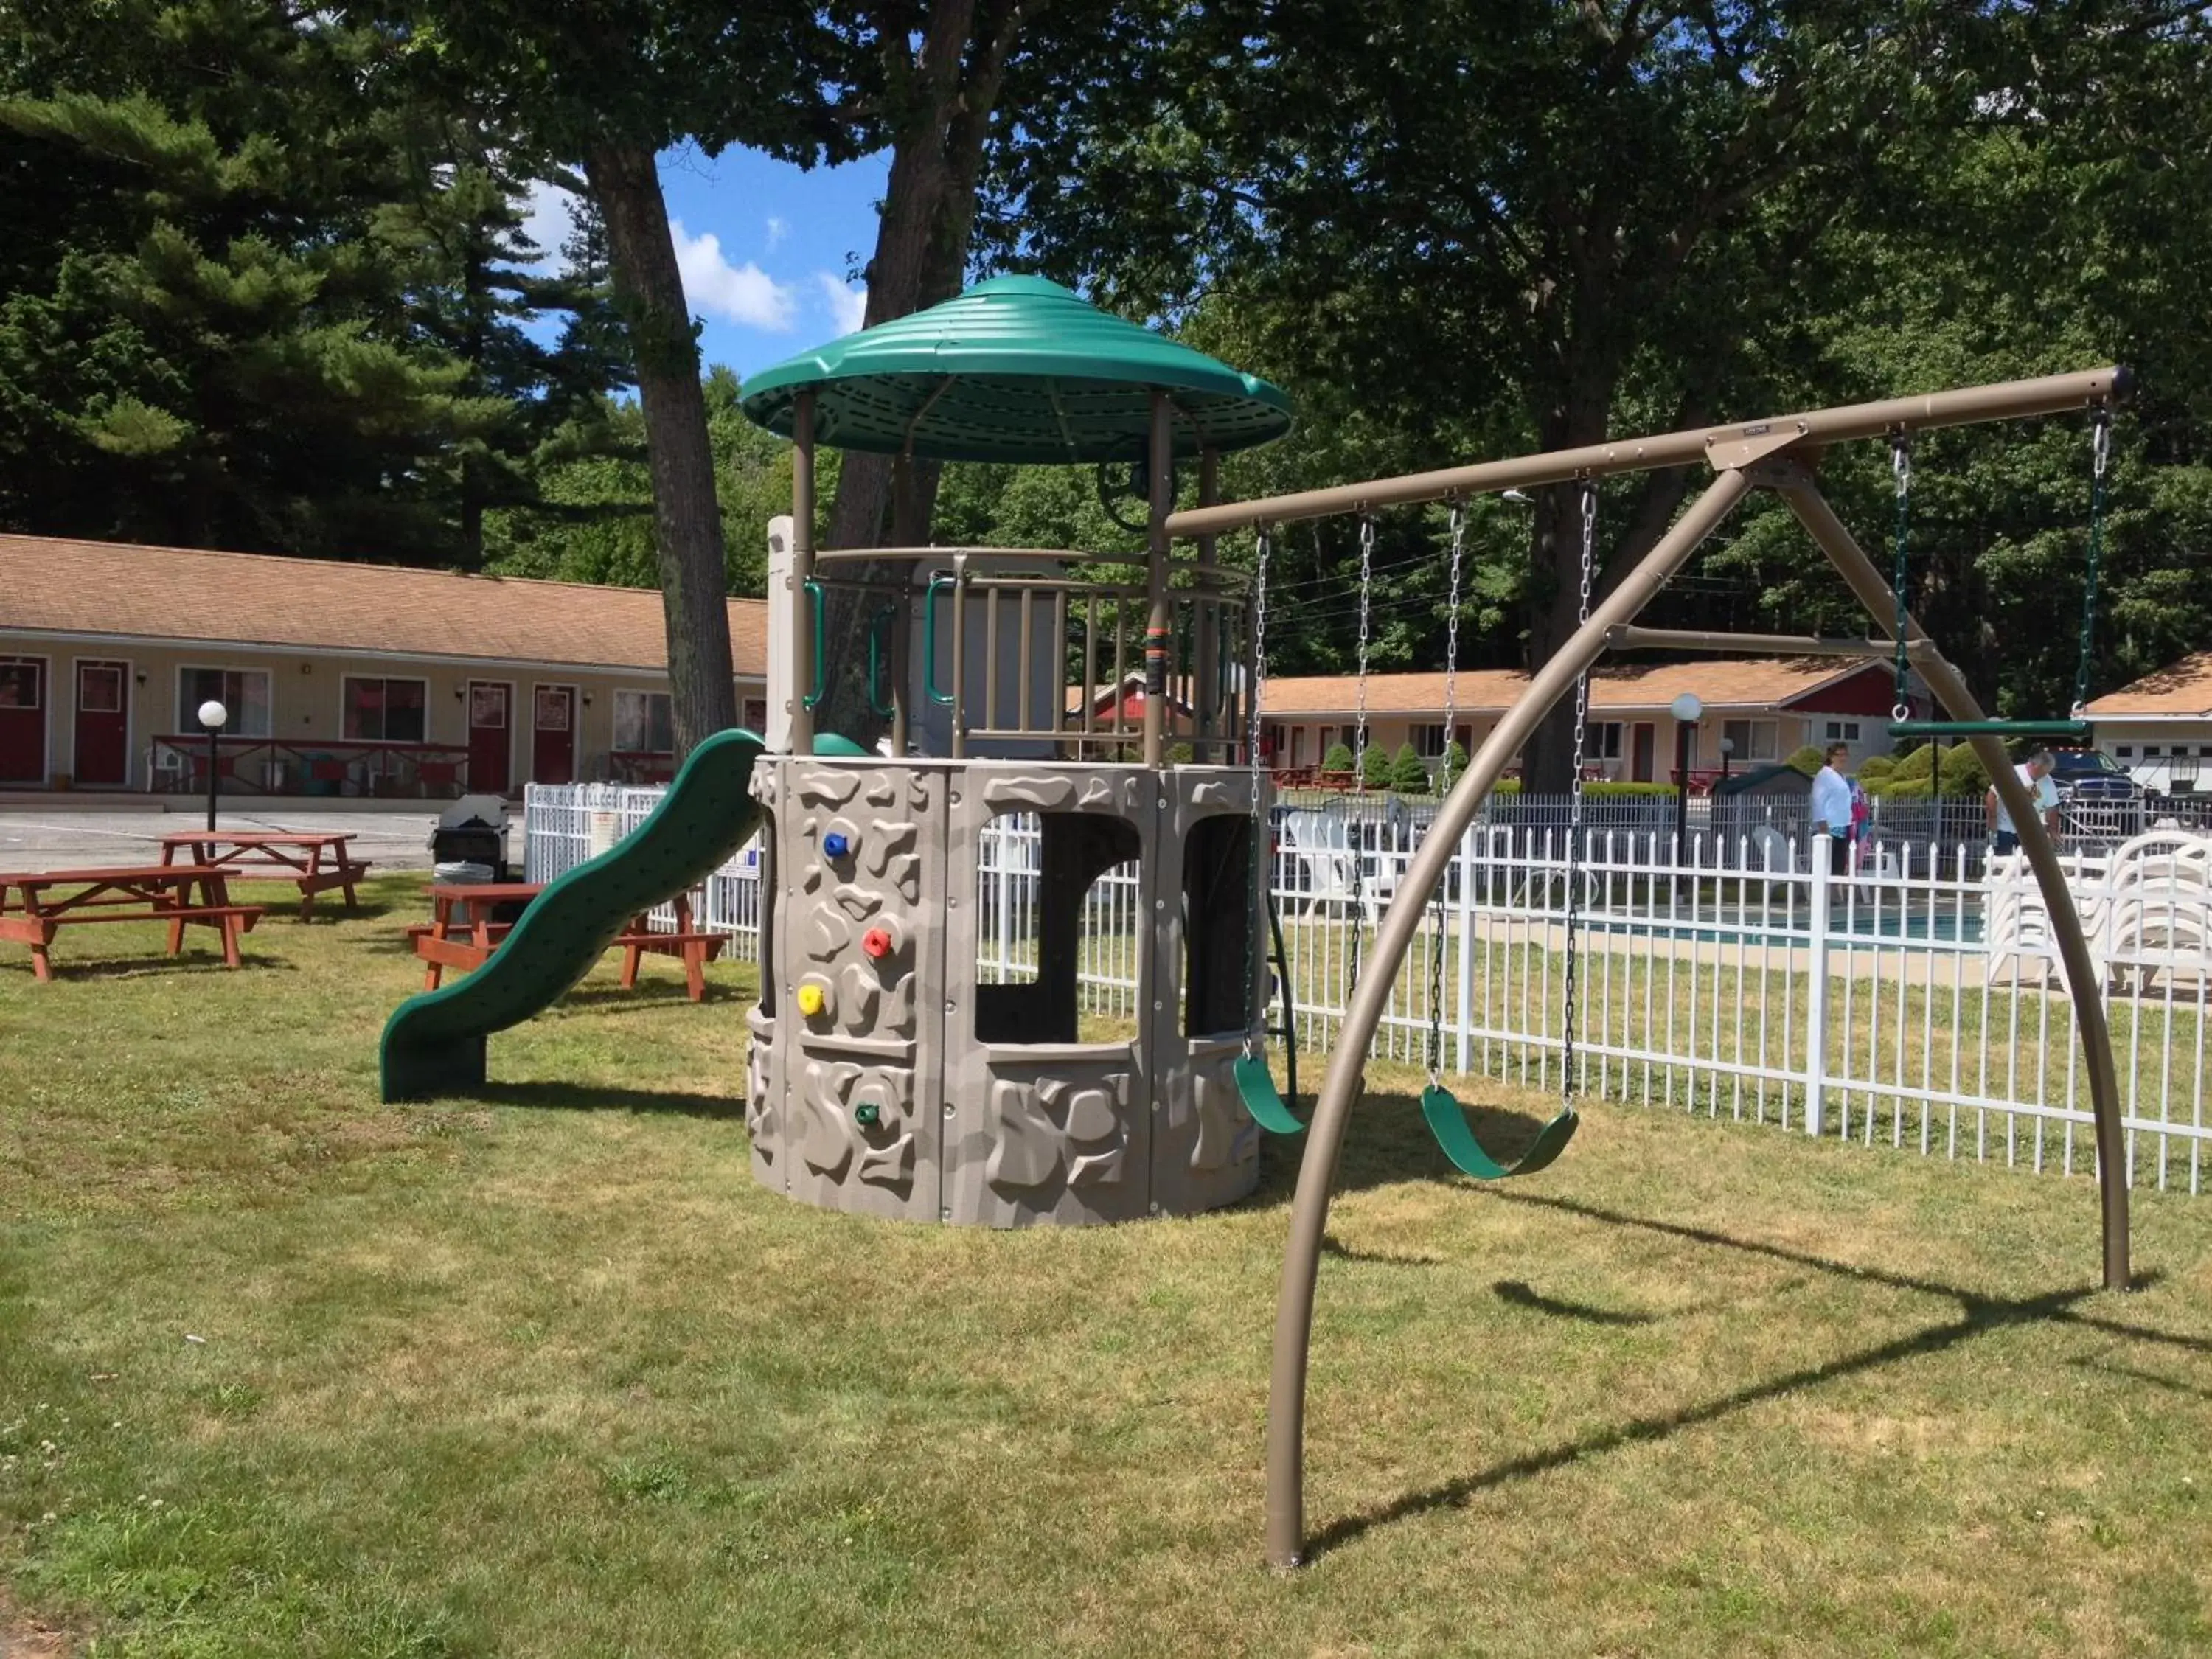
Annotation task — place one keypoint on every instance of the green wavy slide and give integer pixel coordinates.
(434, 1043)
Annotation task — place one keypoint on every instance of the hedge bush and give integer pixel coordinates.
(1338, 759)
(1409, 774)
(1807, 760)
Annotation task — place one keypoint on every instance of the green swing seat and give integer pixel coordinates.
(1448, 1122)
(1257, 1086)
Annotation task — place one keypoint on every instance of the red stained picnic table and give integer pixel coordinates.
(463, 933)
(316, 863)
(36, 906)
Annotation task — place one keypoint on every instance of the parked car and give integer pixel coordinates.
(2090, 774)
(2100, 800)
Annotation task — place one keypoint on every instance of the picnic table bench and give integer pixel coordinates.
(36, 905)
(465, 929)
(317, 862)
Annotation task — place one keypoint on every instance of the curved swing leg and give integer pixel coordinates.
(1448, 1122)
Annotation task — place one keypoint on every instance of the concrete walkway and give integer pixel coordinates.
(40, 837)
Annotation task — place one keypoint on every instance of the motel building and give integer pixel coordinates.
(1752, 711)
(352, 680)
(2160, 728)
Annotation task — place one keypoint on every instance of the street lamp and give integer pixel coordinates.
(212, 715)
(1686, 709)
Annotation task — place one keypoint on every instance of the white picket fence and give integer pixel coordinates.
(1919, 1003)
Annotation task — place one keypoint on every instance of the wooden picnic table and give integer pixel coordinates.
(36, 905)
(317, 862)
(464, 930)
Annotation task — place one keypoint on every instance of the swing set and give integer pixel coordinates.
(1780, 455)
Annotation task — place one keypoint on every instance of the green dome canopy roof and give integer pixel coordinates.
(1017, 368)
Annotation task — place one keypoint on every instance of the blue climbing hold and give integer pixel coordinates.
(835, 844)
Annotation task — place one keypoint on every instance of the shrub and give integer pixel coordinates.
(1338, 759)
(1619, 789)
(1877, 767)
(1905, 789)
(1455, 762)
(1409, 773)
(1807, 760)
(1919, 763)
(1963, 772)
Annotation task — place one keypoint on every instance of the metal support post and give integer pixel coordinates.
(1285, 1522)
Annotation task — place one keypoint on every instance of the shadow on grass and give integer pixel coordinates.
(1524, 1296)
(1388, 1142)
(652, 992)
(157, 966)
(599, 1097)
(1330, 1245)
(1977, 1314)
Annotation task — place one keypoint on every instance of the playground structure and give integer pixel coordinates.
(885, 1077)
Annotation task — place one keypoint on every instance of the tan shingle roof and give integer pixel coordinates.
(51, 586)
(2181, 688)
(1720, 682)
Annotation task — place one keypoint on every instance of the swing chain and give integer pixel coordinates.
(1366, 595)
(1575, 806)
(2100, 455)
(1437, 944)
(1900, 464)
(1262, 853)
(1452, 640)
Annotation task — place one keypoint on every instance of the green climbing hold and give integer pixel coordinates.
(867, 1115)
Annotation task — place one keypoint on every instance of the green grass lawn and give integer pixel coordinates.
(283, 1371)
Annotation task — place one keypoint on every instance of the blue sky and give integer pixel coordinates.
(767, 251)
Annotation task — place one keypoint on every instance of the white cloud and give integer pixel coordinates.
(777, 230)
(743, 293)
(551, 215)
(849, 307)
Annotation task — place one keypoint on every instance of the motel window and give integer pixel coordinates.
(386, 711)
(22, 682)
(2125, 751)
(1603, 742)
(645, 723)
(243, 692)
(755, 718)
(1761, 740)
(1429, 740)
(1843, 732)
(2152, 751)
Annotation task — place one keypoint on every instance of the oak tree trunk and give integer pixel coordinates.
(687, 519)
(921, 254)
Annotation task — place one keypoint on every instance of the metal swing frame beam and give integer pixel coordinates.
(1772, 454)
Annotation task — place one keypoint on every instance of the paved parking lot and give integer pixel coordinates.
(43, 838)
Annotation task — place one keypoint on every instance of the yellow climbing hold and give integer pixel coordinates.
(810, 999)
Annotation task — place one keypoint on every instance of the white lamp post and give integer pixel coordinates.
(212, 715)
(1686, 709)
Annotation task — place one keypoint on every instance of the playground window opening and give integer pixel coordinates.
(1057, 903)
(1217, 905)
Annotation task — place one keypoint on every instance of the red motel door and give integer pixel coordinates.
(491, 736)
(1640, 766)
(553, 734)
(22, 721)
(103, 725)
